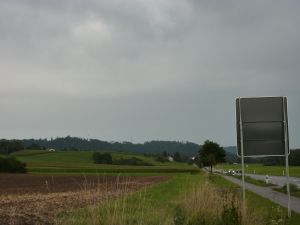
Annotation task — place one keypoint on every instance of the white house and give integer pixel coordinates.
(170, 158)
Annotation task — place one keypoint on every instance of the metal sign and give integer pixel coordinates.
(262, 126)
(262, 130)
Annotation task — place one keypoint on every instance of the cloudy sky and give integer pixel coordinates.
(141, 70)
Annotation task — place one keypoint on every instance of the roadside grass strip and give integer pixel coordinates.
(183, 200)
(257, 182)
(294, 190)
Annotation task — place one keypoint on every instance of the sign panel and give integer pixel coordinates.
(262, 126)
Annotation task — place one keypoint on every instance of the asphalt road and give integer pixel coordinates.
(278, 180)
(268, 193)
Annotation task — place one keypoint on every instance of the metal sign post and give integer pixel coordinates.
(242, 159)
(262, 130)
(286, 142)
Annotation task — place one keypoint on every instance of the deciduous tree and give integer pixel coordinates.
(210, 154)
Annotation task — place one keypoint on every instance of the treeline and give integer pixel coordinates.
(167, 157)
(9, 146)
(294, 159)
(106, 158)
(185, 149)
(75, 143)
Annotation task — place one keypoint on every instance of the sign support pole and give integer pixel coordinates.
(287, 173)
(242, 157)
(288, 184)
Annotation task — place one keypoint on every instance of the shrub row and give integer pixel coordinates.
(133, 161)
(11, 165)
(106, 158)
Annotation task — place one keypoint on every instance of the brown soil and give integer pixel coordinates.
(35, 199)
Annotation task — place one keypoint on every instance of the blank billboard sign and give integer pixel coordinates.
(262, 127)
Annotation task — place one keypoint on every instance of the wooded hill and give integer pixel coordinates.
(75, 143)
(152, 147)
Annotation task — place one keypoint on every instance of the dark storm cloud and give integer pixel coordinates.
(141, 70)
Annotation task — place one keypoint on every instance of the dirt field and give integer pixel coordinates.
(34, 199)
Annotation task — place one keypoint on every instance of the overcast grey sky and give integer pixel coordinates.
(141, 70)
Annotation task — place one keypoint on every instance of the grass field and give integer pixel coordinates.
(185, 199)
(39, 161)
(260, 169)
(154, 205)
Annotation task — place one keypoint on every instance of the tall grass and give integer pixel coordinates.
(195, 203)
(211, 205)
(137, 208)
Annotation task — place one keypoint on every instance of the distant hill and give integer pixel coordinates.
(231, 154)
(151, 147)
(74, 143)
(231, 149)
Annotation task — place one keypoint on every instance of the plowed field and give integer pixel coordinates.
(35, 199)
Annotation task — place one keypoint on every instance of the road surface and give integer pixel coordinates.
(268, 193)
(278, 180)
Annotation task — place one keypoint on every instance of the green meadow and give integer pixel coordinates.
(39, 161)
(185, 199)
(189, 197)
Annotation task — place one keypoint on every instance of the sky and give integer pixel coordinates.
(141, 70)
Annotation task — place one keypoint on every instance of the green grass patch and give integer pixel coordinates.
(262, 206)
(294, 190)
(257, 182)
(116, 169)
(40, 161)
(178, 201)
(29, 153)
(154, 205)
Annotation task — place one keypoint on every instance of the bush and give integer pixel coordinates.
(102, 158)
(11, 165)
(134, 161)
(293, 188)
(180, 216)
(231, 215)
(201, 219)
(161, 159)
(106, 158)
(177, 157)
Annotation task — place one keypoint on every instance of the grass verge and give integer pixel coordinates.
(184, 200)
(154, 205)
(270, 212)
(257, 182)
(294, 190)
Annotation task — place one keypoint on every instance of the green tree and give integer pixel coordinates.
(177, 157)
(11, 165)
(104, 158)
(210, 154)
